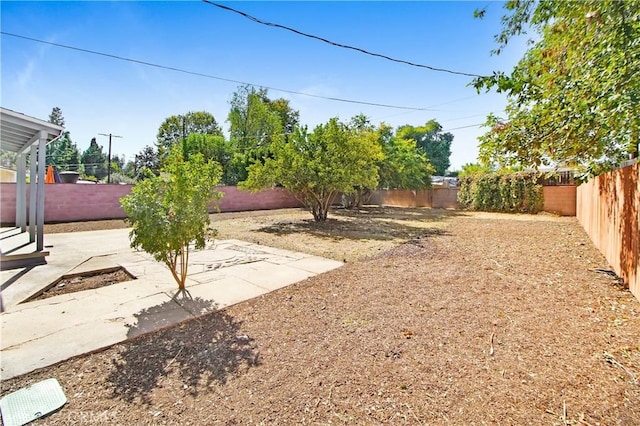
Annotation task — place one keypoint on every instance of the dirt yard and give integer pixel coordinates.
(437, 317)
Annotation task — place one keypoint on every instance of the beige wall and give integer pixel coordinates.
(560, 199)
(7, 175)
(608, 207)
(443, 198)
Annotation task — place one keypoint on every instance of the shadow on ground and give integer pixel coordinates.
(198, 352)
(370, 223)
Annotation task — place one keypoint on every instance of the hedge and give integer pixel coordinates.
(501, 192)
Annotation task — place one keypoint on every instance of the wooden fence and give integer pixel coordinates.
(608, 208)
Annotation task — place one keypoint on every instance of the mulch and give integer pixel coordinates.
(494, 320)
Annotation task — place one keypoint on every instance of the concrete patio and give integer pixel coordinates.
(40, 333)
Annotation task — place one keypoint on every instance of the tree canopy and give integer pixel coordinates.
(574, 98)
(94, 160)
(404, 165)
(255, 121)
(177, 127)
(213, 148)
(432, 141)
(317, 166)
(56, 117)
(146, 163)
(62, 152)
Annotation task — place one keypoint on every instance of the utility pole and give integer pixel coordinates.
(109, 164)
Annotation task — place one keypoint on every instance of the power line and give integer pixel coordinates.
(199, 74)
(344, 46)
(463, 127)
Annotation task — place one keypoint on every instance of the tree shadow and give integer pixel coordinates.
(196, 352)
(380, 223)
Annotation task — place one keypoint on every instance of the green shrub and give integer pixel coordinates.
(501, 192)
(119, 178)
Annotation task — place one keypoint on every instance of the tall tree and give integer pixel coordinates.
(117, 163)
(317, 166)
(253, 123)
(289, 118)
(574, 98)
(62, 153)
(404, 165)
(56, 117)
(146, 163)
(178, 127)
(432, 141)
(94, 160)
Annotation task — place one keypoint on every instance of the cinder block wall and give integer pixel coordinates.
(76, 202)
(236, 200)
(560, 199)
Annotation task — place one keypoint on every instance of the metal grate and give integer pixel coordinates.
(31, 403)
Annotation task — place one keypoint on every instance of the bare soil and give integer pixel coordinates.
(458, 318)
(82, 282)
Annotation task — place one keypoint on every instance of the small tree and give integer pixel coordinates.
(169, 212)
(316, 167)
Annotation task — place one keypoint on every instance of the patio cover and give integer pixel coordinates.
(24, 135)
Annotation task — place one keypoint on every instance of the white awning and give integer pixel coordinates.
(24, 135)
(18, 131)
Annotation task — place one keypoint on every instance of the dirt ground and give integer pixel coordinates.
(438, 317)
(84, 282)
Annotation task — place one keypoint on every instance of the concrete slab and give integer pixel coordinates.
(95, 263)
(40, 333)
(226, 291)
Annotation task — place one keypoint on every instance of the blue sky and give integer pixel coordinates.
(104, 95)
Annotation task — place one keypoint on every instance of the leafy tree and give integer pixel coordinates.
(253, 122)
(361, 124)
(317, 166)
(63, 154)
(404, 166)
(146, 163)
(213, 148)
(574, 98)
(168, 212)
(177, 127)
(430, 139)
(129, 169)
(289, 118)
(94, 160)
(117, 163)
